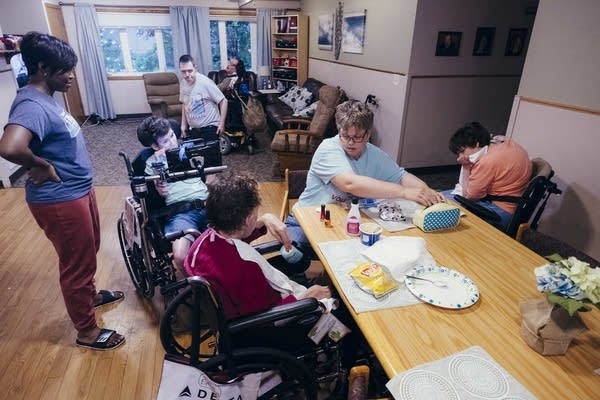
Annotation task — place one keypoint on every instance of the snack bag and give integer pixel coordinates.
(373, 279)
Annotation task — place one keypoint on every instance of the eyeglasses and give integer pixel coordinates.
(354, 139)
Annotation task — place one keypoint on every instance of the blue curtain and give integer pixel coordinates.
(92, 62)
(263, 33)
(190, 27)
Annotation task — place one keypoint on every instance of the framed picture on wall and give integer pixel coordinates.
(325, 40)
(448, 44)
(515, 41)
(353, 32)
(484, 41)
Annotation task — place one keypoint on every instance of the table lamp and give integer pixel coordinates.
(264, 77)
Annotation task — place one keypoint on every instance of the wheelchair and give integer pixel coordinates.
(273, 340)
(145, 248)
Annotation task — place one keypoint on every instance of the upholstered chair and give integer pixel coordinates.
(162, 91)
(294, 145)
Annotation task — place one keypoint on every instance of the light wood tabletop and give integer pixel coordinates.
(502, 269)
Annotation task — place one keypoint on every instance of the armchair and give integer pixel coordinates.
(162, 91)
(294, 145)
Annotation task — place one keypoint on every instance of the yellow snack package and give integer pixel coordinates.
(373, 279)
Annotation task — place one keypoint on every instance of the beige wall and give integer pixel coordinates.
(388, 32)
(567, 137)
(565, 65)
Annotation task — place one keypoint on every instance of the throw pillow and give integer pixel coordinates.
(297, 98)
(308, 111)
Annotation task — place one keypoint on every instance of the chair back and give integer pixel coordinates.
(295, 182)
(534, 198)
(162, 91)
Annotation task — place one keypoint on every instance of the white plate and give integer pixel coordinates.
(460, 292)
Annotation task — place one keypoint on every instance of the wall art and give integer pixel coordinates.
(325, 40)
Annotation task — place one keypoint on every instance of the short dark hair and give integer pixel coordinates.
(472, 134)
(151, 129)
(39, 48)
(231, 199)
(186, 58)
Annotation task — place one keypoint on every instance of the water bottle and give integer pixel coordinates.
(298, 262)
(353, 219)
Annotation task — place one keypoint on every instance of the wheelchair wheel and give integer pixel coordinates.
(250, 149)
(294, 379)
(224, 144)
(176, 325)
(134, 261)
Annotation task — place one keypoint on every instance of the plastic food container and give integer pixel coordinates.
(369, 233)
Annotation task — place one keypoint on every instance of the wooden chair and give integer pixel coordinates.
(295, 182)
(162, 91)
(295, 145)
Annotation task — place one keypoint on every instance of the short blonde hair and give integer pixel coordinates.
(353, 113)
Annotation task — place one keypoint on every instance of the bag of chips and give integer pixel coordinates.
(373, 279)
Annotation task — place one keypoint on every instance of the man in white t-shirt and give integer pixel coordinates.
(204, 105)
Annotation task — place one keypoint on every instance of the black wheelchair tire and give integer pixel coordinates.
(174, 341)
(134, 262)
(224, 144)
(250, 149)
(297, 381)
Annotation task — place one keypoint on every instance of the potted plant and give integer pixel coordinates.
(549, 325)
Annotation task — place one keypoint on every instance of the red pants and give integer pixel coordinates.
(73, 227)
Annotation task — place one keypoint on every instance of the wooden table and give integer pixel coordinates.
(405, 337)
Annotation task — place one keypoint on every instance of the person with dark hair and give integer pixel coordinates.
(182, 196)
(45, 139)
(489, 166)
(245, 281)
(204, 105)
(347, 166)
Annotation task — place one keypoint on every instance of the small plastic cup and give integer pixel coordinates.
(369, 233)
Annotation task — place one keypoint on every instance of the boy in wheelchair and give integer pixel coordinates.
(245, 282)
(185, 199)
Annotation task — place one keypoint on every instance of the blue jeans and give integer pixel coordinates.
(297, 235)
(505, 216)
(192, 219)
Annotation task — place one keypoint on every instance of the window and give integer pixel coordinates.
(135, 43)
(233, 38)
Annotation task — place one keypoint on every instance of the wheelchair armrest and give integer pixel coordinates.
(477, 209)
(275, 314)
(268, 247)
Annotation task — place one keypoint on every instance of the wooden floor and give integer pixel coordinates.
(38, 356)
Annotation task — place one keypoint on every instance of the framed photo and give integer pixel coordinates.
(448, 44)
(484, 41)
(325, 40)
(353, 32)
(515, 42)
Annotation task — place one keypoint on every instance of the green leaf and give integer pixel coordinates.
(571, 305)
(555, 257)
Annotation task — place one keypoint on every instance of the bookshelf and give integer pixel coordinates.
(289, 53)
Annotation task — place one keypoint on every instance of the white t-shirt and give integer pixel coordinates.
(201, 101)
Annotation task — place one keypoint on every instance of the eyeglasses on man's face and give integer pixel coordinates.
(355, 138)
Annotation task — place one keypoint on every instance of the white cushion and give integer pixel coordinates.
(297, 98)
(308, 111)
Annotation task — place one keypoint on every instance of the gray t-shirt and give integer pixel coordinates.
(57, 138)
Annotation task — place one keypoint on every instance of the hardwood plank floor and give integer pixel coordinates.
(38, 356)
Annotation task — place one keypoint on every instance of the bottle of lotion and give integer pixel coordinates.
(353, 219)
